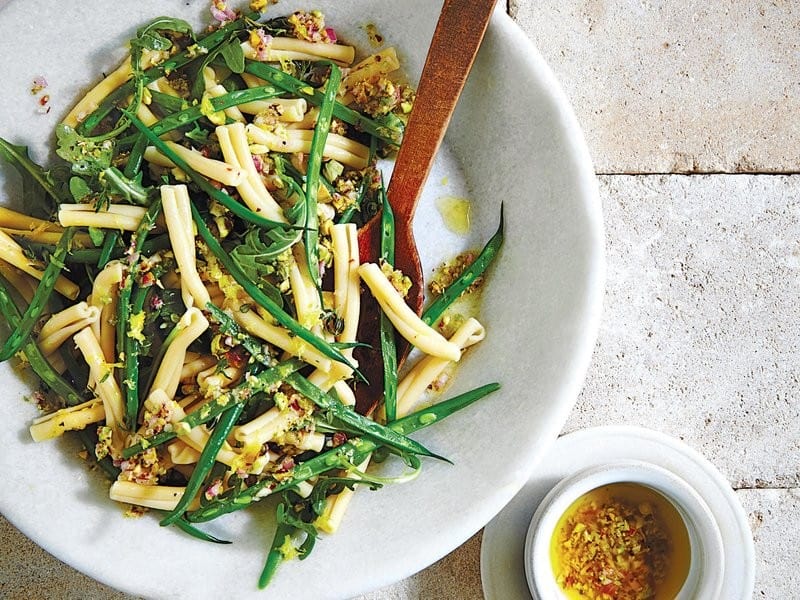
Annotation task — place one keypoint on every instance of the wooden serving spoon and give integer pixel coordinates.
(459, 32)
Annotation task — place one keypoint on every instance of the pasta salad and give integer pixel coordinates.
(187, 285)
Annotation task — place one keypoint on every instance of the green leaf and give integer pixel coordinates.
(88, 157)
(260, 254)
(149, 37)
(79, 188)
(97, 235)
(129, 189)
(233, 55)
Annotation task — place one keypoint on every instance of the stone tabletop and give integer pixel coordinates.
(692, 115)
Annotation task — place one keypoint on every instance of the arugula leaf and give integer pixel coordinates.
(260, 254)
(150, 38)
(87, 156)
(116, 184)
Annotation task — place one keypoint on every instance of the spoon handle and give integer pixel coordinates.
(459, 32)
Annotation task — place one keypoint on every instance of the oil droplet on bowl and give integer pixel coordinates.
(455, 213)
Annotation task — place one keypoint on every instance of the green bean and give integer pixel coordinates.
(321, 129)
(36, 359)
(340, 111)
(363, 425)
(238, 395)
(193, 113)
(467, 278)
(135, 157)
(130, 383)
(168, 103)
(235, 207)
(92, 255)
(275, 555)
(206, 461)
(281, 316)
(353, 451)
(38, 303)
(123, 303)
(388, 347)
(193, 531)
(111, 239)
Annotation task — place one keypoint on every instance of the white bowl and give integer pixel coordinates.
(514, 140)
(704, 580)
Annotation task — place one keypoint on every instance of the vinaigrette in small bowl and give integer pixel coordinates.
(626, 531)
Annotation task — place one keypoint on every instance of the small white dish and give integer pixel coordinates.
(707, 562)
(503, 546)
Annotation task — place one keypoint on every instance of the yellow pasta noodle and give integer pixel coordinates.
(12, 253)
(105, 294)
(103, 375)
(337, 147)
(67, 419)
(407, 323)
(192, 325)
(178, 214)
(278, 336)
(233, 144)
(427, 370)
(214, 169)
(67, 323)
(158, 497)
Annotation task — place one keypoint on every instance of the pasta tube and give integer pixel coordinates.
(11, 219)
(92, 99)
(278, 336)
(178, 214)
(23, 283)
(115, 216)
(159, 497)
(284, 48)
(427, 370)
(304, 292)
(378, 64)
(407, 323)
(192, 325)
(336, 507)
(12, 253)
(233, 143)
(213, 169)
(67, 419)
(215, 90)
(196, 437)
(103, 375)
(105, 295)
(337, 147)
(81, 315)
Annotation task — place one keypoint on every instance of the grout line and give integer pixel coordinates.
(764, 487)
(697, 173)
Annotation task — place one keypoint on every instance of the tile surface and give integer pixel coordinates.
(664, 87)
(701, 328)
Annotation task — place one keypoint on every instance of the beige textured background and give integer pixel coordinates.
(702, 322)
